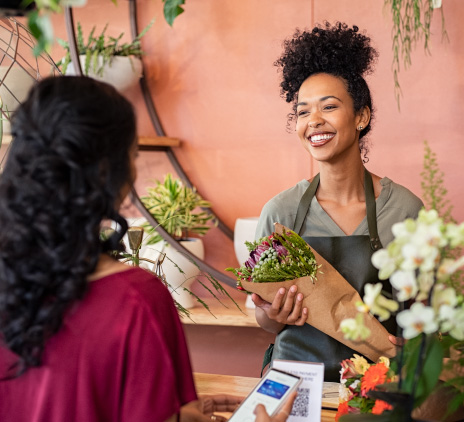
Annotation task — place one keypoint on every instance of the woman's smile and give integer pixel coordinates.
(320, 138)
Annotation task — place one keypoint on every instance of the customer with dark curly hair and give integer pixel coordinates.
(345, 212)
(82, 336)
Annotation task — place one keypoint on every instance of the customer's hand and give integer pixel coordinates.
(281, 416)
(203, 410)
(282, 311)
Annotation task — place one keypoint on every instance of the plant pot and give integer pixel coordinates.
(15, 85)
(123, 72)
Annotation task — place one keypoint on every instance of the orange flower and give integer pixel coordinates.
(380, 406)
(343, 409)
(375, 375)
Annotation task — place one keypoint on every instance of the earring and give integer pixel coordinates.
(360, 128)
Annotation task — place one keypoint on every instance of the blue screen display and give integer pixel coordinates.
(273, 389)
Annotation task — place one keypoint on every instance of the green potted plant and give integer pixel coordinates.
(106, 58)
(180, 211)
(39, 14)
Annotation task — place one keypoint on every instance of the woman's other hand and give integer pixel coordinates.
(203, 409)
(281, 416)
(397, 341)
(282, 311)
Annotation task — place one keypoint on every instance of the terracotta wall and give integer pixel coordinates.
(215, 87)
(214, 84)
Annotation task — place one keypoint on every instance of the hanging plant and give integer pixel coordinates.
(411, 24)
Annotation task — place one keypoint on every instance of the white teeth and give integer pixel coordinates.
(319, 138)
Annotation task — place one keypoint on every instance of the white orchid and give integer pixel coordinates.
(446, 316)
(448, 267)
(443, 295)
(455, 234)
(415, 264)
(419, 255)
(354, 328)
(458, 330)
(406, 284)
(417, 320)
(377, 303)
(404, 229)
(385, 262)
(425, 281)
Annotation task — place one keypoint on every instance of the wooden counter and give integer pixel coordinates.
(241, 386)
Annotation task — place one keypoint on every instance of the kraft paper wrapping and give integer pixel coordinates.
(330, 300)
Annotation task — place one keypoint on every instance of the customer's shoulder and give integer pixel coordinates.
(133, 281)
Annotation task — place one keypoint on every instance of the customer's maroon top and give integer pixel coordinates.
(119, 356)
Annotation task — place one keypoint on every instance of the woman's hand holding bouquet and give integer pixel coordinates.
(284, 260)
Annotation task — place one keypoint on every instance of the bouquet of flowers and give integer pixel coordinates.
(278, 257)
(357, 378)
(284, 259)
(423, 264)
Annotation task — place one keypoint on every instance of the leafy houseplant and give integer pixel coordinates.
(176, 208)
(100, 50)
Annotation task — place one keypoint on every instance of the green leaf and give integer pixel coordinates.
(172, 9)
(422, 377)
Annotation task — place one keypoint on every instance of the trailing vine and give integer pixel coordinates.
(411, 24)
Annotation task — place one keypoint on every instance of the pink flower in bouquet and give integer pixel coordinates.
(256, 255)
(348, 370)
(278, 257)
(281, 251)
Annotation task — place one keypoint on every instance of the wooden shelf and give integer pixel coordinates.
(230, 316)
(157, 143)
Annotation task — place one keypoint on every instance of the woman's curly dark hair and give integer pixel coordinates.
(334, 49)
(68, 163)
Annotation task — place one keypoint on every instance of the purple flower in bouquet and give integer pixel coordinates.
(281, 251)
(255, 255)
(277, 257)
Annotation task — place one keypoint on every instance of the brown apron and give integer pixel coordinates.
(351, 257)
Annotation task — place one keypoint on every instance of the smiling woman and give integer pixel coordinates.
(344, 212)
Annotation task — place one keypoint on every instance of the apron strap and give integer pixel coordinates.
(305, 203)
(371, 212)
